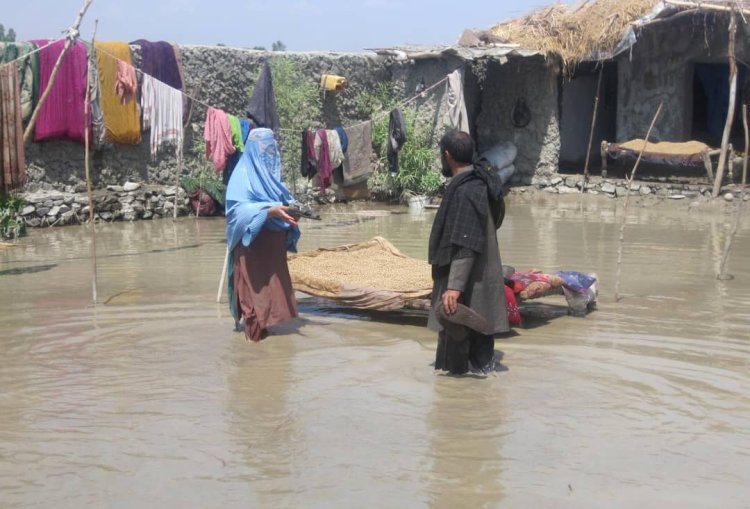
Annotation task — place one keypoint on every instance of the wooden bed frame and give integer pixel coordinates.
(607, 147)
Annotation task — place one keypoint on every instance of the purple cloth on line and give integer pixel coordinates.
(62, 115)
(159, 60)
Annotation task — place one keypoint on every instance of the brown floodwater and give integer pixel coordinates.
(149, 399)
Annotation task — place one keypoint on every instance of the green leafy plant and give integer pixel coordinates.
(205, 179)
(12, 225)
(417, 171)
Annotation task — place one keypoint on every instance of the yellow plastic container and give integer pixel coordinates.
(332, 82)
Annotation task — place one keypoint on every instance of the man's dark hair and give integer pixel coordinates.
(459, 145)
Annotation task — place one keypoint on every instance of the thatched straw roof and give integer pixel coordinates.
(589, 29)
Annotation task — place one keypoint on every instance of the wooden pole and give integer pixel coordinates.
(72, 36)
(591, 136)
(706, 6)
(86, 161)
(722, 275)
(223, 277)
(177, 180)
(732, 102)
(747, 142)
(629, 182)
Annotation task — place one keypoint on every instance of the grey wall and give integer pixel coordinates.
(660, 68)
(536, 80)
(224, 77)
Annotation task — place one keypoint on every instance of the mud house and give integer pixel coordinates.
(647, 52)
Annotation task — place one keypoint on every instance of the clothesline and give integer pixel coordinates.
(26, 55)
(384, 114)
(378, 117)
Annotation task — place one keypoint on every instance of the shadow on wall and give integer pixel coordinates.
(519, 103)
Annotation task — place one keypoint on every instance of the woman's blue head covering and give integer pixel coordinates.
(256, 186)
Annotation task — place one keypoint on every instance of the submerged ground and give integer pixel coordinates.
(150, 400)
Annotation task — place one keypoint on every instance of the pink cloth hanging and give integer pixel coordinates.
(218, 136)
(62, 115)
(127, 82)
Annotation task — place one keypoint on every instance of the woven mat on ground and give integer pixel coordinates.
(368, 275)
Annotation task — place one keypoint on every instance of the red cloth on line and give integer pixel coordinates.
(218, 136)
(62, 115)
(262, 283)
(324, 162)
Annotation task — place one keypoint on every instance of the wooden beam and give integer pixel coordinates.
(699, 6)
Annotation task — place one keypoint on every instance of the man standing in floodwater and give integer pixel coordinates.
(465, 258)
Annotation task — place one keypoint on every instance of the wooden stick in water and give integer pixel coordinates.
(591, 136)
(223, 277)
(53, 76)
(86, 163)
(732, 102)
(178, 172)
(628, 183)
(722, 275)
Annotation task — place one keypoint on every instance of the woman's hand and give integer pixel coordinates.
(282, 212)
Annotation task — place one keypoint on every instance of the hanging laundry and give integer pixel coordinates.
(458, 118)
(358, 162)
(158, 60)
(396, 139)
(121, 120)
(309, 166)
(98, 132)
(343, 138)
(162, 113)
(246, 126)
(262, 106)
(335, 153)
(218, 136)
(236, 128)
(126, 87)
(28, 72)
(62, 116)
(325, 169)
(13, 171)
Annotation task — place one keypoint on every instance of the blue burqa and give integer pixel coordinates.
(255, 187)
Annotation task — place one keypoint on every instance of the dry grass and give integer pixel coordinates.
(574, 32)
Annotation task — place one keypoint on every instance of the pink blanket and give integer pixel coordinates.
(62, 115)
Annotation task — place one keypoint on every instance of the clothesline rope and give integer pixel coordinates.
(27, 55)
(384, 114)
(374, 119)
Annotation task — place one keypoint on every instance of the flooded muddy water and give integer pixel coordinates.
(149, 399)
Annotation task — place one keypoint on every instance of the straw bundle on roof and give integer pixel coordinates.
(574, 32)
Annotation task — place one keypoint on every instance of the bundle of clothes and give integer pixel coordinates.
(578, 288)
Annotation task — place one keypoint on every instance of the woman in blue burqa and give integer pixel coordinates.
(260, 231)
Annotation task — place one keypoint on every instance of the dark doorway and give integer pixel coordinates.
(711, 102)
(578, 95)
